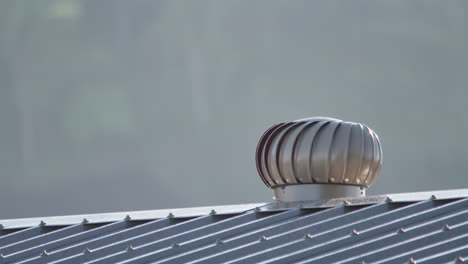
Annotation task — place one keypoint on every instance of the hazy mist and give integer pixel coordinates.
(126, 105)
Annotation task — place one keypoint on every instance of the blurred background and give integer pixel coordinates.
(113, 105)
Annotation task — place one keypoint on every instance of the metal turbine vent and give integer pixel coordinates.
(318, 158)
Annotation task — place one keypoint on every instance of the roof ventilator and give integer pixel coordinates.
(318, 158)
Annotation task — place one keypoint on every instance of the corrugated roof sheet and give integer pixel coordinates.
(377, 231)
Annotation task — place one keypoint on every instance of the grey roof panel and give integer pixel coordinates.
(372, 244)
(207, 235)
(305, 217)
(43, 239)
(100, 237)
(20, 235)
(373, 230)
(330, 230)
(447, 256)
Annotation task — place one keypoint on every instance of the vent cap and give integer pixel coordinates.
(318, 158)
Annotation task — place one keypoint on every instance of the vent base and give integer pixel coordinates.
(312, 192)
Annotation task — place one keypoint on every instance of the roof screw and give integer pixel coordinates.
(85, 221)
(130, 248)
(446, 227)
(388, 199)
(170, 215)
(219, 242)
(346, 202)
(42, 223)
(460, 259)
(433, 197)
(86, 251)
(262, 238)
(412, 261)
(174, 245)
(354, 232)
(44, 253)
(401, 230)
(307, 236)
(127, 218)
(213, 212)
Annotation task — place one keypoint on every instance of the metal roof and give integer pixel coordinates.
(429, 227)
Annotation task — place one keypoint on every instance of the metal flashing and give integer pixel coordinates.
(356, 201)
(133, 215)
(228, 209)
